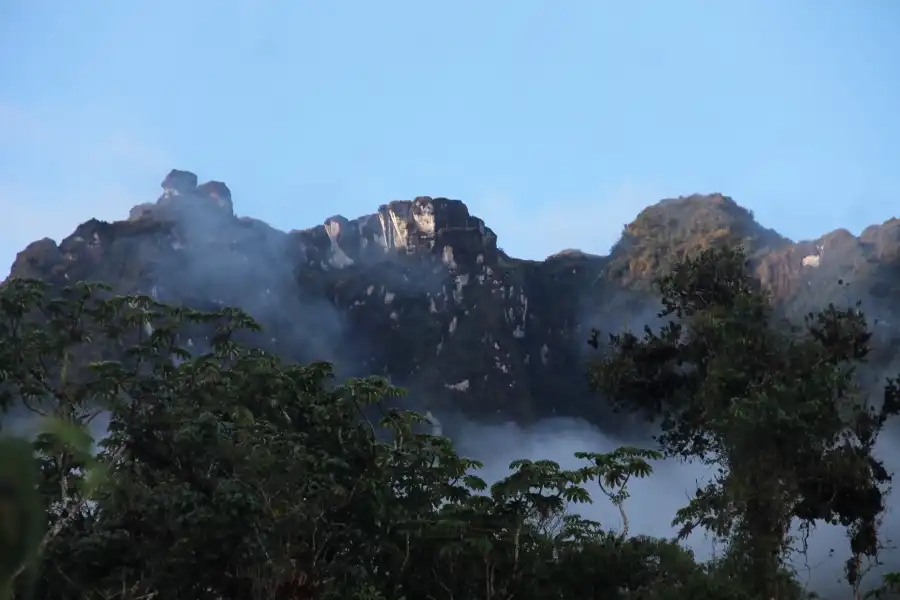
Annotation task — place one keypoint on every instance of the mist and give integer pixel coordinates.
(214, 258)
(655, 499)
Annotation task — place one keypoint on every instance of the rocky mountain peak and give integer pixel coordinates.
(665, 232)
(179, 182)
(182, 194)
(419, 291)
(435, 229)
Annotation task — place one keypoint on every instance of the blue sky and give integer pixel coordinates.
(555, 121)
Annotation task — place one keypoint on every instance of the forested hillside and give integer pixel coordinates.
(230, 472)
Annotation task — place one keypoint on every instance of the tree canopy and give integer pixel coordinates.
(227, 473)
(775, 407)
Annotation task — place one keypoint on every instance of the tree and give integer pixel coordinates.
(774, 407)
(229, 474)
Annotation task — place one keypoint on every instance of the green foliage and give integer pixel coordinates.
(775, 408)
(230, 474)
(21, 512)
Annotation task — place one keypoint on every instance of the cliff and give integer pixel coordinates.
(420, 291)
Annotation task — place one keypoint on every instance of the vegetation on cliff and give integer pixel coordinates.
(228, 473)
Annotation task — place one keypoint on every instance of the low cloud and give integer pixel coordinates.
(654, 501)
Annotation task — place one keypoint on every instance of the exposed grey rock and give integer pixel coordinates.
(419, 290)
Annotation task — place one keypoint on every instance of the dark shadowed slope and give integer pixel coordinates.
(420, 291)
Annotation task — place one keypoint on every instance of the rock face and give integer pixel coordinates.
(419, 290)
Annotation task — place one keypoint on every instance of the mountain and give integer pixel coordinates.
(421, 292)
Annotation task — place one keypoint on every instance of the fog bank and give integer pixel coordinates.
(654, 500)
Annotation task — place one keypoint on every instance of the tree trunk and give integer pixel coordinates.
(763, 533)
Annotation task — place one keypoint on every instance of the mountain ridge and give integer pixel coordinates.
(420, 291)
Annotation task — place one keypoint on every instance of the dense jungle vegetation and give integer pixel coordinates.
(229, 474)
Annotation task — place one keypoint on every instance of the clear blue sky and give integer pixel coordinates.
(555, 121)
